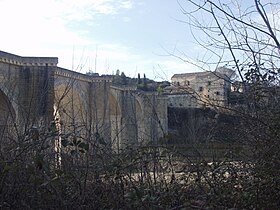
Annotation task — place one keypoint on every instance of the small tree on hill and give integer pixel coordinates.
(139, 79)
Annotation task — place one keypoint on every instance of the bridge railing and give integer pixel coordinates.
(27, 61)
(80, 76)
(124, 87)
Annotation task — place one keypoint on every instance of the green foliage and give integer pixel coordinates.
(159, 89)
(75, 145)
(139, 79)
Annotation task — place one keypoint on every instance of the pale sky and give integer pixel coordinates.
(130, 35)
(134, 36)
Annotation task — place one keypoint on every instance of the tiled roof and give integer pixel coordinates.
(197, 74)
(190, 74)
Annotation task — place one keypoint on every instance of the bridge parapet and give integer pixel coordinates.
(102, 78)
(71, 74)
(124, 87)
(27, 61)
(80, 76)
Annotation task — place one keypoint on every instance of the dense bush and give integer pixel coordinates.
(150, 177)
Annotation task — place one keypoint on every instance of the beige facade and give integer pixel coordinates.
(199, 89)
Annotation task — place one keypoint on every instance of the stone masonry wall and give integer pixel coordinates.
(29, 83)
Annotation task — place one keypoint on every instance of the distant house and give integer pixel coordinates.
(199, 89)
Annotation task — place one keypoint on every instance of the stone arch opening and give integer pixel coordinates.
(69, 107)
(7, 116)
(116, 124)
(57, 143)
(70, 120)
(139, 121)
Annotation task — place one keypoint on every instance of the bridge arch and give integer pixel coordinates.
(139, 120)
(69, 106)
(130, 117)
(7, 115)
(115, 121)
(71, 84)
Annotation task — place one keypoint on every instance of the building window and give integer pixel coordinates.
(217, 93)
(209, 82)
(200, 89)
(187, 82)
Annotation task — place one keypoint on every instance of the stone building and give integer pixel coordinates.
(199, 89)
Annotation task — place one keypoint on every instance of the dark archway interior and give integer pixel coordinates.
(7, 113)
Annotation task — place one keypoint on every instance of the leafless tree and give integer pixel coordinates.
(244, 36)
(237, 34)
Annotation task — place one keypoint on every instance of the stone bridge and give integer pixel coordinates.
(35, 92)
